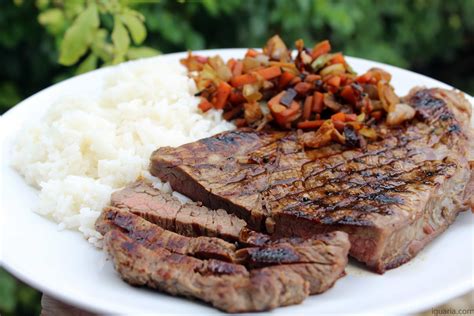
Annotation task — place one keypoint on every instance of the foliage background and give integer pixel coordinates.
(433, 37)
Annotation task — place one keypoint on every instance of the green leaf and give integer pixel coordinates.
(211, 6)
(53, 20)
(135, 27)
(142, 52)
(79, 36)
(88, 64)
(9, 96)
(42, 4)
(7, 292)
(73, 7)
(120, 39)
(100, 47)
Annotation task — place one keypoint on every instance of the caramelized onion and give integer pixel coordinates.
(399, 113)
(252, 112)
(276, 49)
(323, 136)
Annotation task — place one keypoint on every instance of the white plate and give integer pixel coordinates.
(64, 265)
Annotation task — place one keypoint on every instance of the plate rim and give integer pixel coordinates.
(412, 306)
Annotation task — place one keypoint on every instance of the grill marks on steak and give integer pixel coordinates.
(275, 273)
(227, 289)
(152, 236)
(189, 219)
(387, 197)
(321, 250)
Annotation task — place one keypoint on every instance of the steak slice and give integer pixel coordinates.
(189, 219)
(326, 254)
(392, 197)
(229, 287)
(153, 237)
(321, 260)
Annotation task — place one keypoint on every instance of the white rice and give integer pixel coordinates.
(84, 148)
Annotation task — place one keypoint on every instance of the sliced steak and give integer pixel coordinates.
(326, 253)
(392, 197)
(321, 260)
(189, 219)
(229, 287)
(153, 237)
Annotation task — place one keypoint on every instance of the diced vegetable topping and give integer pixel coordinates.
(317, 92)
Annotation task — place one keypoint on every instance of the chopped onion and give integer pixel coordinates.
(331, 102)
(400, 112)
(387, 95)
(251, 92)
(321, 61)
(368, 132)
(262, 59)
(252, 112)
(380, 74)
(333, 69)
(250, 63)
(323, 136)
(276, 49)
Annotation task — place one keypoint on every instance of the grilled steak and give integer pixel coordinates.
(229, 287)
(392, 197)
(320, 259)
(153, 236)
(189, 219)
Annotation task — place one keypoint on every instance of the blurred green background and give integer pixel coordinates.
(46, 41)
